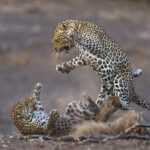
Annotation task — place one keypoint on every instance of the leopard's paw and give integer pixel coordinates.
(53, 117)
(63, 68)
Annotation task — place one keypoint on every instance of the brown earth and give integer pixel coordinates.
(27, 57)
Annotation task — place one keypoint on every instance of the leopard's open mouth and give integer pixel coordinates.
(65, 49)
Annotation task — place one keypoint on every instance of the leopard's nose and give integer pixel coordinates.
(56, 47)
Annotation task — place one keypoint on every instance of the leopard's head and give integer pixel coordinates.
(22, 114)
(59, 37)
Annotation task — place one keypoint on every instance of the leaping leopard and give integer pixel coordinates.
(103, 54)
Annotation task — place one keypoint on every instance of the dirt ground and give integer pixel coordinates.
(27, 57)
(60, 145)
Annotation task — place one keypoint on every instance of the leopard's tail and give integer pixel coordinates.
(141, 102)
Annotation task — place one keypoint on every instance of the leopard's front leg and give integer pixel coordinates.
(66, 67)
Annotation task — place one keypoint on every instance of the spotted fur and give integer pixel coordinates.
(103, 54)
(28, 114)
(59, 125)
(30, 118)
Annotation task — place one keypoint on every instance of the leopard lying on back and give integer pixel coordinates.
(103, 54)
(30, 118)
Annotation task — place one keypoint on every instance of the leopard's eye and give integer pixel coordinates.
(56, 40)
(64, 26)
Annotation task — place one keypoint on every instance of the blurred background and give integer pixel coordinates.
(27, 57)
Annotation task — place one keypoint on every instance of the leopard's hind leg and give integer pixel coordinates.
(123, 88)
(106, 92)
(59, 125)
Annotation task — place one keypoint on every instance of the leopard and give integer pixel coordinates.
(99, 51)
(29, 116)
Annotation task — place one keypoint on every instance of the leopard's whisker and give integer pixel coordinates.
(52, 54)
